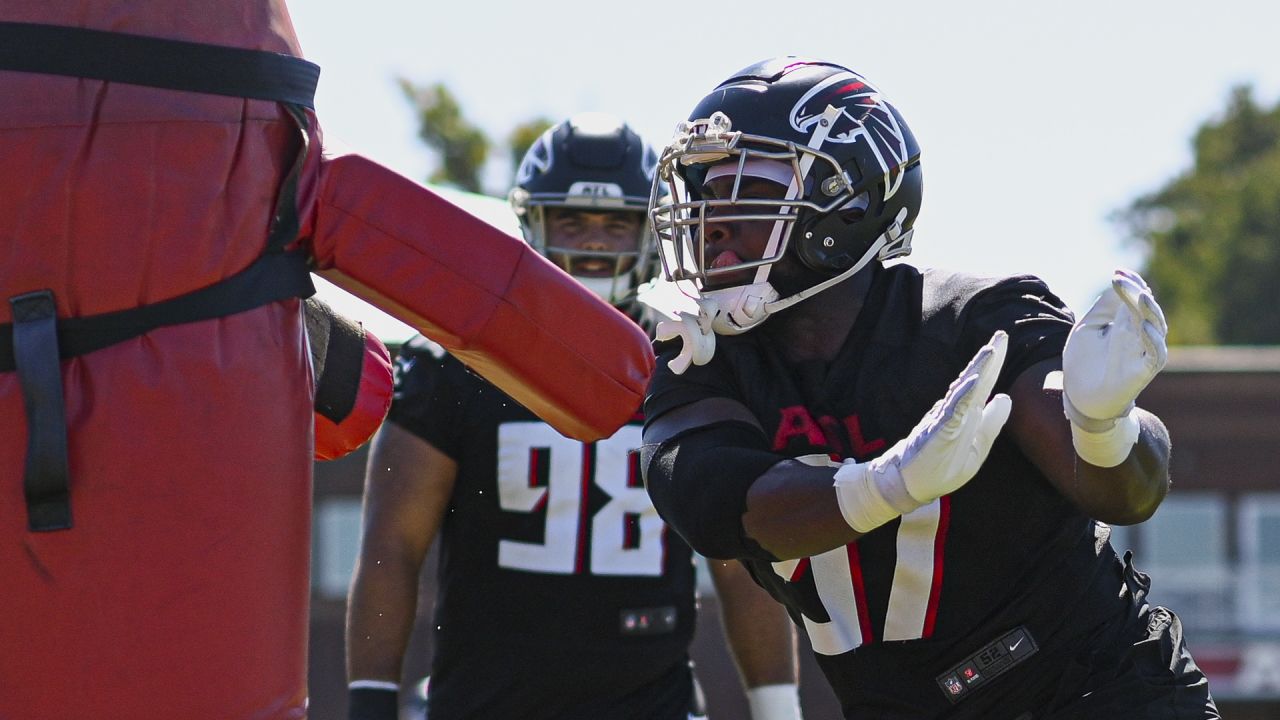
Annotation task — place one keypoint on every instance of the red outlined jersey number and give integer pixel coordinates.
(540, 470)
(913, 596)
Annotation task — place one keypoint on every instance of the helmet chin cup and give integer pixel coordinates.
(736, 310)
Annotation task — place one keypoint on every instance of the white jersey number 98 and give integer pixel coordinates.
(538, 468)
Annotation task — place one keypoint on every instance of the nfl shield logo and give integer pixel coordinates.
(953, 685)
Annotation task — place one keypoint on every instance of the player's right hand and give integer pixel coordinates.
(939, 455)
(945, 450)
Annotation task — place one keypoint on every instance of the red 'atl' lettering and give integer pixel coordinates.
(841, 438)
(862, 447)
(796, 420)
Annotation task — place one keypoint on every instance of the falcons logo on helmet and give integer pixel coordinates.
(864, 115)
(537, 160)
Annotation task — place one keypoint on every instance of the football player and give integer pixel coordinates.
(918, 464)
(561, 593)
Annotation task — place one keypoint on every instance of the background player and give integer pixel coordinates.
(942, 567)
(561, 593)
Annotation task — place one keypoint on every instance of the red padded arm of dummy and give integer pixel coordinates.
(487, 297)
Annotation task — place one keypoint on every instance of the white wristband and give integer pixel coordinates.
(871, 496)
(1107, 448)
(374, 685)
(774, 702)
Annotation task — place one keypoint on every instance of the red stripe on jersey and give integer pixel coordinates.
(630, 531)
(662, 536)
(939, 547)
(537, 478)
(800, 569)
(584, 521)
(535, 465)
(634, 478)
(859, 591)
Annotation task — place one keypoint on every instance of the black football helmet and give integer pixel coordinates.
(591, 161)
(851, 162)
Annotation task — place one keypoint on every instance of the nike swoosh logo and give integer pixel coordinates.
(1015, 645)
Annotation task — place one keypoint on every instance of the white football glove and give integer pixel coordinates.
(938, 456)
(1112, 353)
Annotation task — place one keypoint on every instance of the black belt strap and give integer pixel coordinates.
(36, 340)
(35, 355)
(156, 62)
(271, 278)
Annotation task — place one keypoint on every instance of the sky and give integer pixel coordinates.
(1036, 120)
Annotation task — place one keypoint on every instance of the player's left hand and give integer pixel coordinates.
(1113, 352)
(950, 443)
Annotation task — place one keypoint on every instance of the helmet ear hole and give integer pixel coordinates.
(852, 215)
(833, 242)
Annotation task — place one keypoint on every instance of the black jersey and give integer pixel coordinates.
(561, 593)
(969, 606)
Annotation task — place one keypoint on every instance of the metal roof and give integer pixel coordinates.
(1224, 358)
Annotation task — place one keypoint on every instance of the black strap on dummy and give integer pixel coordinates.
(158, 63)
(37, 339)
(271, 278)
(35, 351)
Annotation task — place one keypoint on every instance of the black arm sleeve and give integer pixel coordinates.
(1036, 320)
(698, 481)
(428, 400)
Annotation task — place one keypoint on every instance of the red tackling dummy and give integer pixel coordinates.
(155, 491)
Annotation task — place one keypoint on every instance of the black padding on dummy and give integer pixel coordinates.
(337, 358)
(157, 62)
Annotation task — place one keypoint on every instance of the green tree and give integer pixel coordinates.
(462, 147)
(1213, 232)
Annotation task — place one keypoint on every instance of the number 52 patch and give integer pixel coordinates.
(989, 662)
